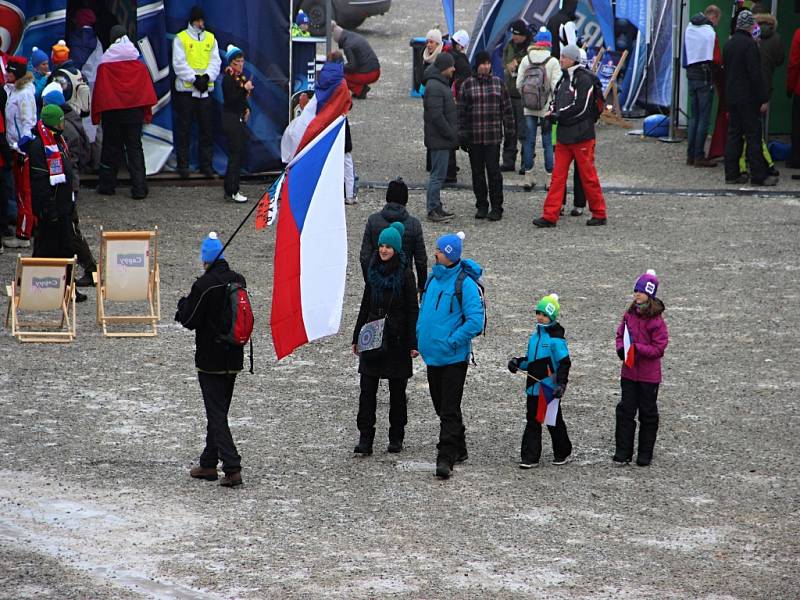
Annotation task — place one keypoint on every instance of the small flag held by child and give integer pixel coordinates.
(628, 347)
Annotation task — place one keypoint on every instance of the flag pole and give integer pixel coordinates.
(233, 235)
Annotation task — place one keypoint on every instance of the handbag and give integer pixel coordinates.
(371, 339)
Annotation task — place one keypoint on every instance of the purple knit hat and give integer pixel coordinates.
(647, 283)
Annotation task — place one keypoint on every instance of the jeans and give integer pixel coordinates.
(485, 162)
(701, 97)
(217, 395)
(529, 144)
(744, 125)
(398, 407)
(439, 162)
(510, 143)
(637, 396)
(446, 385)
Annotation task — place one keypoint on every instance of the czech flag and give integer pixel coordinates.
(628, 347)
(311, 244)
(547, 407)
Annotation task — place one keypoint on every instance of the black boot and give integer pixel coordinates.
(364, 446)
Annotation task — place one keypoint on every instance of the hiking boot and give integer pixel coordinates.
(576, 212)
(527, 464)
(232, 479)
(594, 221)
(87, 280)
(445, 213)
(738, 180)
(704, 162)
(394, 447)
(364, 446)
(462, 457)
(560, 460)
(207, 473)
(443, 470)
(620, 462)
(542, 222)
(80, 297)
(494, 215)
(438, 216)
(16, 242)
(769, 180)
(482, 213)
(643, 460)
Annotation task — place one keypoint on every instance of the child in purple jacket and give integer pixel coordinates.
(647, 337)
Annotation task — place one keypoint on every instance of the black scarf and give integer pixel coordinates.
(388, 275)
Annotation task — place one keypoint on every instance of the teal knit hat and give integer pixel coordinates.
(549, 305)
(392, 236)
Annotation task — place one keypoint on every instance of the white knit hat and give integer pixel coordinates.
(461, 38)
(435, 35)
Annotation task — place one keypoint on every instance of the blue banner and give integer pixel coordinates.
(448, 6)
(635, 11)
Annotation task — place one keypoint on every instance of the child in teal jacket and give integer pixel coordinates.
(547, 364)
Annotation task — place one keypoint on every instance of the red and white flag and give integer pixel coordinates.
(628, 347)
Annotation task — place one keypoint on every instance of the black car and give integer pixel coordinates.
(347, 13)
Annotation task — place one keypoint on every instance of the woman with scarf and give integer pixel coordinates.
(236, 89)
(434, 46)
(390, 294)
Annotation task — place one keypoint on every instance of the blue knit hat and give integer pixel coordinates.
(543, 36)
(38, 57)
(450, 245)
(232, 52)
(54, 96)
(302, 18)
(211, 249)
(392, 236)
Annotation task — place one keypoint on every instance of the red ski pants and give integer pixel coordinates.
(357, 81)
(22, 187)
(583, 155)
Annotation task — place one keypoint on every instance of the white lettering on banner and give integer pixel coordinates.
(130, 260)
(45, 283)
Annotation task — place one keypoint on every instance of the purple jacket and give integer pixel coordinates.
(649, 335)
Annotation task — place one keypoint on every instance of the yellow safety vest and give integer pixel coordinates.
(198, 54)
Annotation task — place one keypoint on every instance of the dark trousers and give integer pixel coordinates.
(446, 385)
(236, 132)
(532, 436)
(398, 407)
(187, 110)
(82, 250)
(637, 396)
(794, 159)
(53, 239)
(485, 160)
(122, 139)
(217, 394)
(744, 125)
(578, 197)
(510, 143)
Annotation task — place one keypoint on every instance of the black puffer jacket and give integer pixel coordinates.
(361, 58)
(573, 105)
(441, 115)
(202, 311)
(744, 80)
(401, 311)
(413, 240)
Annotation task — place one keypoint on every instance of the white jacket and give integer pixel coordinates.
(183, 72)
(537, 55)
(20, 113)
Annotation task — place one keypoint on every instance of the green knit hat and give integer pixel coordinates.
(549, 305)
(392, 236)
(52, 115)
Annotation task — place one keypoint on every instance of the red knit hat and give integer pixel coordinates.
(60, 53)
(18, 65)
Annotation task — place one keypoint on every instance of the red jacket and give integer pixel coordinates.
(793, 70)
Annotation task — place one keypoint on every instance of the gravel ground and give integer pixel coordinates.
(97, 436)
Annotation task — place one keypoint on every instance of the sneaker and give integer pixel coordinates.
(769, 180)
(444, 212)
(594, 221)
(239, 197)
(462, 457)
(576, 212)
(437, 216)
(561, 460)
(207, 473)
(495, 215)
(443, 470)
(482, 213)
(738, 180)
(525, 464)
(350, 201)
(16, 242)
(542, 222)
(394, 447)
(232, 479)
(620, 462)
(86, 281)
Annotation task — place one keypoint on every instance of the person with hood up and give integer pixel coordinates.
(747, 98)
(196, 62)
(395, 211)
(566, 14)
(20, 121)
(513, 54)
(770, 47)
(124, 97)
(79, 154)
(236, 90)
(537, 78)
(451, 314)
(485, 116)
(389, 295)
(362, 66)
(441, 130)
(700, 55)
(793, 91)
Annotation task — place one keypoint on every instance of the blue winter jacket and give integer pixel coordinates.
(547, 358)
(445, 329)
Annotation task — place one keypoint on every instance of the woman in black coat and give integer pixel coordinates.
(390, 292)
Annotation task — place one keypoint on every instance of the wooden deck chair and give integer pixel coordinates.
(42, 285)
(594, 56)
(128, 272)
(608, 72)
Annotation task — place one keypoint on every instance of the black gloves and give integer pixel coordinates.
(558, 391)
(621, 354)
(513, 365)
(201, 83)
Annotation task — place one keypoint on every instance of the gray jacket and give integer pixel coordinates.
(361, 58)
(441, 115)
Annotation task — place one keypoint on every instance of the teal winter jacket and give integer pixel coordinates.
(547, 358)
(444, 328)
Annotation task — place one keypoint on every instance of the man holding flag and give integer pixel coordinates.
(547, 365)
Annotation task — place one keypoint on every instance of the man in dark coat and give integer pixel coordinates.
(362, 66)
(441, 129)
(217, 362)
(746, 95)
(513, 54)
(413, 241)
(554, 23)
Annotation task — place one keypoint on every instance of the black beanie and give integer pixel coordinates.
(197, 13)
(520, 27)
(397, 192)
(117, 31)
(482, 57)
